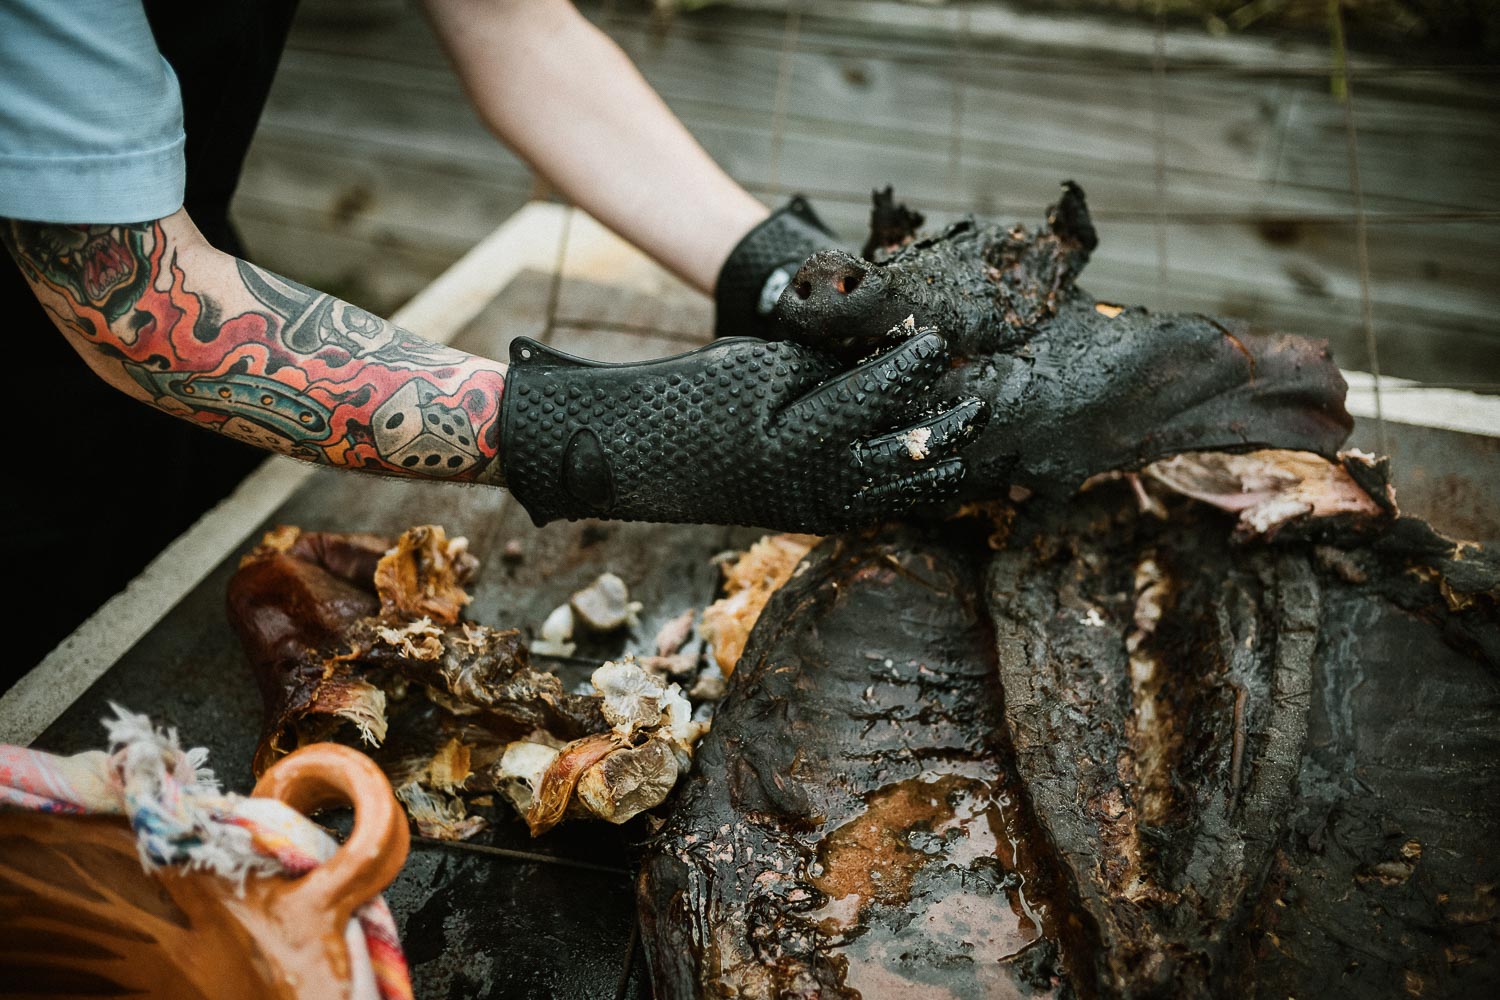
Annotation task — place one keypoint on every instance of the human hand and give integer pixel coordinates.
(761, 265)
(739, 432)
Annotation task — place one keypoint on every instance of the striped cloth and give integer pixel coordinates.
(180, 817)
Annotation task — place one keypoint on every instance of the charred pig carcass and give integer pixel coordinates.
(1124, 754)
(1231, 721)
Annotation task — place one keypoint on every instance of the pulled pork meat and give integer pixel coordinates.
(360, 636)
(750, 578)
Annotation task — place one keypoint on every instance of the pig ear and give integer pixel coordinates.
(892, 226)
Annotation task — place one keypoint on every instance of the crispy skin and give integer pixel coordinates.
(1244, 755)
(848, 827)
(1259, 767)
(290, 598)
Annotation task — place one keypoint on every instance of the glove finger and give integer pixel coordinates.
(936, 482)
(875, 395)
(848, 348)
(928, 440)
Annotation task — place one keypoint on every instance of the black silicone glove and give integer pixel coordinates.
(738, 432)
(760, 266)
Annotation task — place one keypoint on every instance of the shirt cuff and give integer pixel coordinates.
(104, 188)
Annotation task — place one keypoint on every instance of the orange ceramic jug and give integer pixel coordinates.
(79, 917)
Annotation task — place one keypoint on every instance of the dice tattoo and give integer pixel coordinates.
(414, 433)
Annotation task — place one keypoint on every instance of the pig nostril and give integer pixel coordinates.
(803, 288)
(846, 283)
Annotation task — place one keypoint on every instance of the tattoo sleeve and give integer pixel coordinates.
(261, 358)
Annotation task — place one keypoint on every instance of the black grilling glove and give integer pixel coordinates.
(738, 432)
(761, 265)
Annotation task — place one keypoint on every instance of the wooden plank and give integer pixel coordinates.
(326, 97)
(1224, 148)
(1098, 42)
(374, 194)
(378, 277)
(1414, 153)
(607, 283)
(1018, 136)
(393, 30)
(1445, 477)
(1216, 127)
(514, 258)
(1405, 402)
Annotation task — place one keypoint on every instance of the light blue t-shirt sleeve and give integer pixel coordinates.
(90, 114)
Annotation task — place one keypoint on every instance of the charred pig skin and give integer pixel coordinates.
(1075, 386)
(1244, 757)
(1156, 689)
(1091, 394)
(1257, 768)
(852, 828)
(986, 287)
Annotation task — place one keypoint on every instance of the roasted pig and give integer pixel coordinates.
(1126, 754)
(1180, 706)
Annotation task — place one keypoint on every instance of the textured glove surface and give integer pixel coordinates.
(760, 266)
(739, 432)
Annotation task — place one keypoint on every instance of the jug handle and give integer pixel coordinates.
(327, 774)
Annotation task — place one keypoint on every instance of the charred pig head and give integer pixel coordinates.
(1075, 386)
(985, 286)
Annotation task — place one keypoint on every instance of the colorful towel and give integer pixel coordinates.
(182, 818)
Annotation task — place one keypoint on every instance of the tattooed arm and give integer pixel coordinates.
(741, 432)
(160, 314)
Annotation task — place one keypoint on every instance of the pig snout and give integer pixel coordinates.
(834, 292)
(831, 279)
(830, 282)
